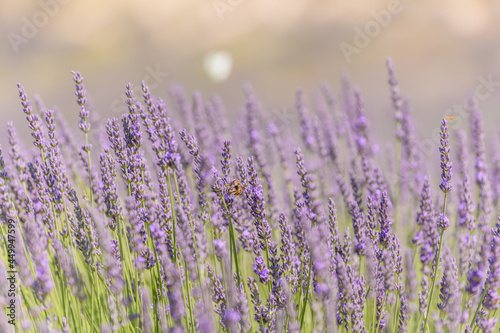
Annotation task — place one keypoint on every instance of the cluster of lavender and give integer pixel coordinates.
(165, 224)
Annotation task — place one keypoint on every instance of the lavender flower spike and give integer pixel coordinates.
(35, 123)
(492, 297)
(81, 100)
(443, 222)
(397, 101)
(445, 158)
(384, 220)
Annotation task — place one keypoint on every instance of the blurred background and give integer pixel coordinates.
(441, 50)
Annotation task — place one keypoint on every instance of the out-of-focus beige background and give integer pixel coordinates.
(440, 48)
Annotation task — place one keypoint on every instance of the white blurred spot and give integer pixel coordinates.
(218, 65)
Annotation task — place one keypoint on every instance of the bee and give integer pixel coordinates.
(449, 117)
(235, 187)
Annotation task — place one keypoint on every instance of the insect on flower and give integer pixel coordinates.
(235, 187)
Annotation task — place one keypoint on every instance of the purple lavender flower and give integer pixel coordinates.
(260, 268)
(226, 160)
(449, 285)
(488, 325)
(309, 194)
(360, 128)
(443, 222)
(200, 171)
(387, 268)
(37, 244)
(478, 141)
(403, 315)
(384, 221)
(255, 199)
(409, 152)
(482, 179)
(132, 131)
(16, 156)
(345, 249)
(356, 190)
(345, 286)
(305, 121)
(359, 229)
(146, 259)
(81, 100)
(396, 98)
(35, 124)
(263, 313)
(319, 137)
(287, 246)
(445, 158)
(492, 297)
(256, 148)
(110, 189)
(462, 154)
(359, 306)
(3, 173)
(219, 248)
(466, 206)
(344, 190)
(174, 285)
(475, 280)
(380, 304)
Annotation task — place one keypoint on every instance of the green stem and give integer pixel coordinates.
(436, 267)
(233, 244)
(91, 195)
(191, 223)
(307, 295)
(374, 314)
(395, 313)
(360, 268)
(434, 278)
(381, 313)
(188, 287)
(473, 321)
(172, 209)
(299, 300)
(267, 257)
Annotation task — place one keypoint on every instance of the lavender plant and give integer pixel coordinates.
(156, 235)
